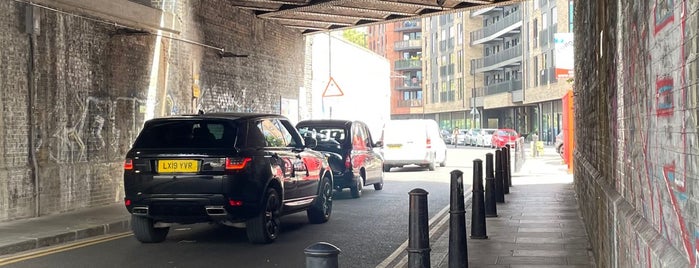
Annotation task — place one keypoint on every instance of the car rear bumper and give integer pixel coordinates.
(190, 208)
(344, 180)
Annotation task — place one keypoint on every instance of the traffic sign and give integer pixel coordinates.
(332, 89)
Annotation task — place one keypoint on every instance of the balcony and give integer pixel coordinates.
(508, 57)
(511, 24)
(546, 35)
(415, 44)
(401, 65)
(485, 11)
(410, 103)
(478, 95)
(502, 87)
(408, 85)
(407, 26)
(517, 96)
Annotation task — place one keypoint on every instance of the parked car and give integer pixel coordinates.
(559, 143)
(504, 136)
(461, 137)
(413, 141)
(349, 148)
(236, 169)
(447, 136)
(471, 136)
(484, 137)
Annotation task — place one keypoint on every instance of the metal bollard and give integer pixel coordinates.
(509, 166)
(490, 204)
(499, 181)
(321, 255)
(505, 175)
(418, 230)
(458, 252)
(478, 206)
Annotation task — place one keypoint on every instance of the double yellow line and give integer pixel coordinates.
(57, 249)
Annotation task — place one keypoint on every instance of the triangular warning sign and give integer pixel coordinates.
(332, 89)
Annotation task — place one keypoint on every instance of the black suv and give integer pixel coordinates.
(240, 170)
(350, 151)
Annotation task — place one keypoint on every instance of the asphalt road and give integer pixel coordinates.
(367, 230)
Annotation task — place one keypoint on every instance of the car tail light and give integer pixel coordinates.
(237, 163)
(235, 203)
(429, 143)
(348, 161)
(128, 164)
(127, 202)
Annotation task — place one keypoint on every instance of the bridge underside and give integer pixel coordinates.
(322, 15)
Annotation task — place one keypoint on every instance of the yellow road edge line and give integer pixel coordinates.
(57, 249)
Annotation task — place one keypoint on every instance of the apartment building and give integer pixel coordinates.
(542, 109)
(449, 79)
(487, 68)
(401, 43)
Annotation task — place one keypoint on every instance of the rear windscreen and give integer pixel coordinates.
(187, 134)
(402, 132)
(329, 138)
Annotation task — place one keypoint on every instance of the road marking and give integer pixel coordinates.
(53, 250)
(403, 246)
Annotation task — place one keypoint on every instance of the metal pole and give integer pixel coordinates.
(418, 230)
(509, 165)
(499, 181)
(478, 206)
(321, 255)
(490, 204)
(503, 162)
(458, 251)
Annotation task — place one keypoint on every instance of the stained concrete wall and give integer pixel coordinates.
(636, 130)
(74, 96)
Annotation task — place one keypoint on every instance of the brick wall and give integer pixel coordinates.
(91, 86)
(636, 130)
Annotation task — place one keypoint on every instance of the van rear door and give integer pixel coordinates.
(405, 141)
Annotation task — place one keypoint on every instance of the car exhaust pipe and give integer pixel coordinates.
(215, 211)
(139, 211)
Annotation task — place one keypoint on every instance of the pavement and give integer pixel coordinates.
(539, 225)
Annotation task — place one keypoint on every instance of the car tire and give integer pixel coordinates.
(144, 231)
(322, 208)
(431, 166)
(444, 162)
(264, 228)
(356, 189)
(386, 168)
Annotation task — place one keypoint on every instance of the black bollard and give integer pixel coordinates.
(505, 175)
(418, 230)
(499, 181)
(458, 252)
(490, 204)
(321, 255)
(509, 165)
(478, 206)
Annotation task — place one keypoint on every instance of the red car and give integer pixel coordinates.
(504, 136)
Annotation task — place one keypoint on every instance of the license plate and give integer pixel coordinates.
(182, 166)
(394, 146)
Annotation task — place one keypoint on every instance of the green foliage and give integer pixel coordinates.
(355, 36)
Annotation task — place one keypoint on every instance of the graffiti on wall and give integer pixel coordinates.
(656, 144)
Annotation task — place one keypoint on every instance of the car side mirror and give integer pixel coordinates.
(310, 142)
(378, 144)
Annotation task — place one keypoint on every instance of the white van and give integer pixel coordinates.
(412, 142)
